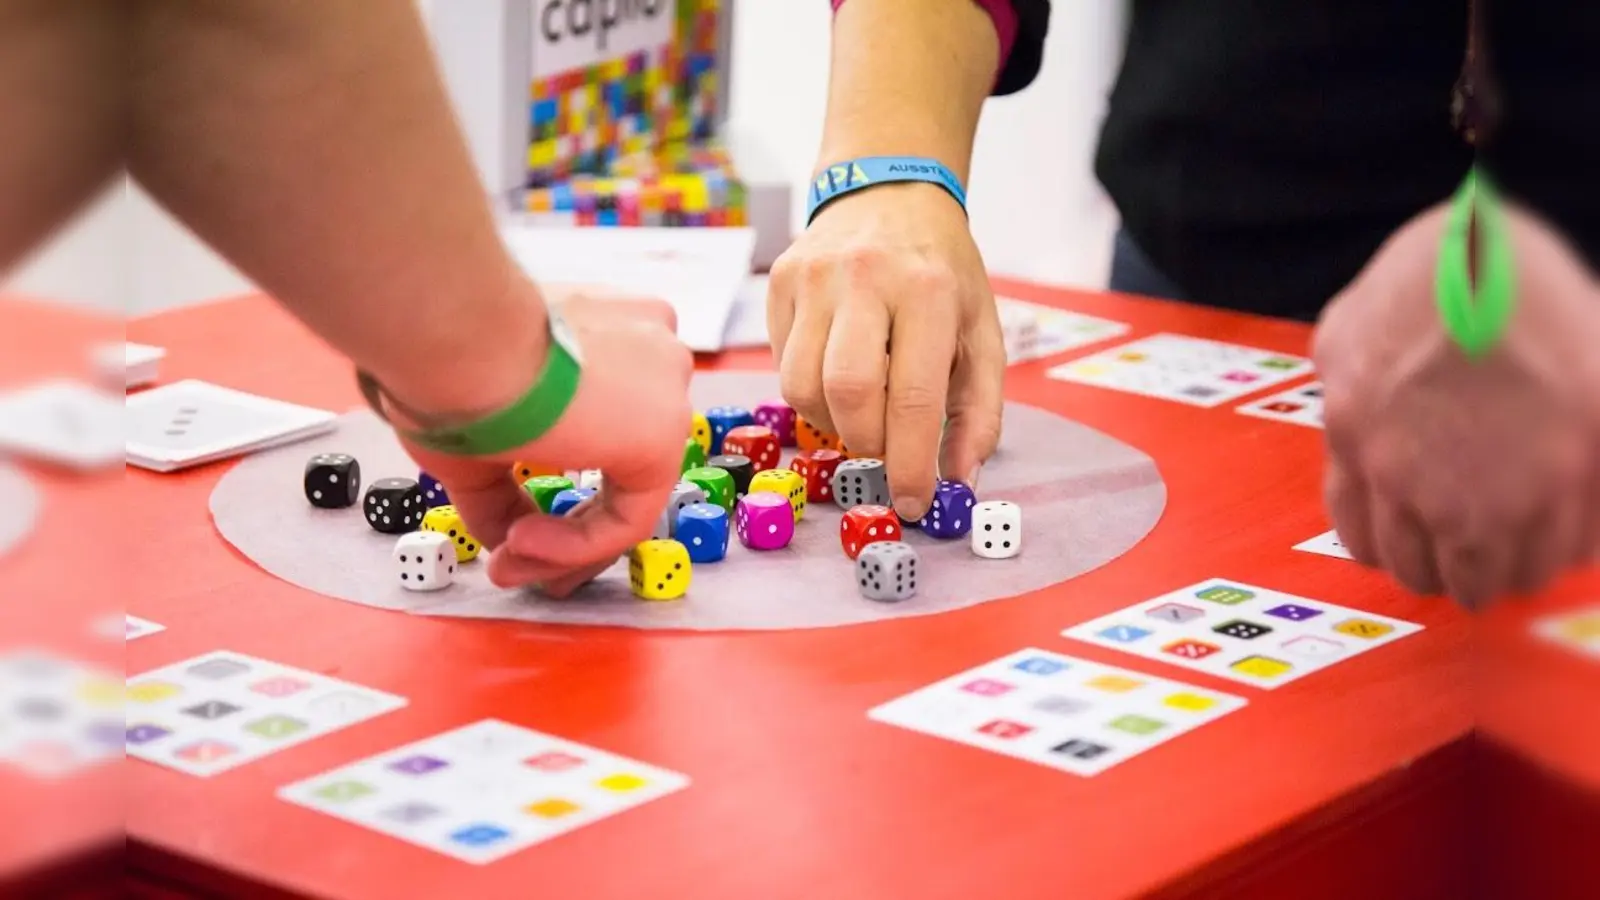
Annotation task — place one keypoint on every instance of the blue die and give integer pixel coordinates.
(432, 491)
(950, 516)
(703, 531)
(563, 502)
(724, 419)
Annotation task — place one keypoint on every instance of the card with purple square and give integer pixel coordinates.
(58, 715)
(1242, 632)
(483, 791)
(1189, 370)
(1069, 714)
(221, 710)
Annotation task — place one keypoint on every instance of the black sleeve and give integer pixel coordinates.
(1027, 53)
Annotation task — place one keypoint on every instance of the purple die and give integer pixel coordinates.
(778, 416)
(433, 493)
(950, 516)
(764, 521)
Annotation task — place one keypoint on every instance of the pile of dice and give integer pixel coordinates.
(732, 484)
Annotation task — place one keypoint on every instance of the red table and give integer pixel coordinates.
(1351, 781)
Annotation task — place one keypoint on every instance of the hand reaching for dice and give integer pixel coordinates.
(627, 420)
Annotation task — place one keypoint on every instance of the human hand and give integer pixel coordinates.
(884, 326)
(1470, 478)
(629, 419)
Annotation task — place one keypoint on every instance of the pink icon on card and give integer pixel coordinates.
(1005, 730)
(986, 687)
(205, 751)
(1240, 377)
(280, 687)
(554, 761)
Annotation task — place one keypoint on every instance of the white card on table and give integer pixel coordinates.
(1241, 632)
(1326, 544)
(1300, 406)
(134, 627)
(63, 422)
(1058, 711)
(1189, 370)
(1033, 330)
(484, 791)
(190, 423)
(57, 715)
(221, 710)
(1578, 631)
(128, 364)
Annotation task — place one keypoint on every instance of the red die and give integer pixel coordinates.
(864, 525)
(816, 467)
(756, 443)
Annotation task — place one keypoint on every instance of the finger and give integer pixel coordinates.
(621, 516)
(1475, 572)
(922, 346)
(855, 374)
(976, 404)
(780, 306)
(800, 367)
(1404, 549)
(1348, 501)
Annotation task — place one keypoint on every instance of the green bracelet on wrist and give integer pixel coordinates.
(1476, 315)
(524, 421)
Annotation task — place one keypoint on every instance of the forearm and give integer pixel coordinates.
(312, 143)
(908, 77)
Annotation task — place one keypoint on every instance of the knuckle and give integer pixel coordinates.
(916, 400)
(851, 390)
(802, 391)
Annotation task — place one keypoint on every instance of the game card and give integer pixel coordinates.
(221, 710)
(189, 423)
(1326, 544)
(1298, 406)
(484, 791)
(1188, 370)
(1245, 633)
(134, 627)
(57, 715)
(1579, 631)
(1068, 714)
(63, 423)
(1033, 330)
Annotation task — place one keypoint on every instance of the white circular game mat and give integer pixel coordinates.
(1086, 499)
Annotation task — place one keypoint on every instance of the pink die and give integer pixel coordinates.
(777, 415)
(764, 521)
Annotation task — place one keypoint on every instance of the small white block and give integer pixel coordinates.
(424, 561)
(996, 529)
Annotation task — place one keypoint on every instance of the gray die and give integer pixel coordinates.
(685, 494)
(887, 571)
(860, 482)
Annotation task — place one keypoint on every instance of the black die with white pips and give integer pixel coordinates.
(739, 468)
(393, 505)
(332, 480)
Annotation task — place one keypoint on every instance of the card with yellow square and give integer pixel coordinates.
(1066, 713)
(484, 791)
(1242, 632)
(1578, 630)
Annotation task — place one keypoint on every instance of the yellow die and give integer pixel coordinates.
(782, 481)
(700, 431)
(659, 570)
(446, 521)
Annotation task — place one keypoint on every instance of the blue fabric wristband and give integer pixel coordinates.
(842, 178)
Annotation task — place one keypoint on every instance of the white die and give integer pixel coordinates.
(996, 529)
(424, 561)
(589, 478)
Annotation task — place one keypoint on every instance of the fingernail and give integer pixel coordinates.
(906, 509)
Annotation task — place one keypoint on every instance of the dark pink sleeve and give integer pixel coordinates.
(1005, 23)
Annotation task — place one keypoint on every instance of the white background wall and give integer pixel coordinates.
(1036, 210)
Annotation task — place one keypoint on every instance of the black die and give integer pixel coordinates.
(332, 480)
(739, 468)
(393, 505)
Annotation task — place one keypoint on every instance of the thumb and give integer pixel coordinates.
(977, 398)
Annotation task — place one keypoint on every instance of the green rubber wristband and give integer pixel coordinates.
(523, 422)
(1476, 316)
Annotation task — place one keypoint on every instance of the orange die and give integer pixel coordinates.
(757, 443)
(810, 437)
(522, 471)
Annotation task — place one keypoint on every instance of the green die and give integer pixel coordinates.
(717, 484)
(544, 488)
(694, 456)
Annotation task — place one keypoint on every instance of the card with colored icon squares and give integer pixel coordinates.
(1069, 714)
(1579, 631)
(1189, 370)
(134, 627)
(1242, 632)
(58, 715)
(221, 710)
(1299, 406)
(484, 791)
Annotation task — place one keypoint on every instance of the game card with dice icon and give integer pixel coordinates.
(1188, 370)
(1242, 632)
(221, 710)
(1298, 406)
(1058, 711)
(484, 791)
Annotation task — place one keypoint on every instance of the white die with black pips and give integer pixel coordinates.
(996, 529)
(425, 561)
